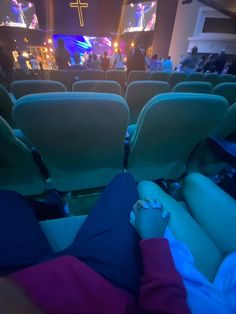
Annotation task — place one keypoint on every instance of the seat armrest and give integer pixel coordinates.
(223, 148)
(61, 232)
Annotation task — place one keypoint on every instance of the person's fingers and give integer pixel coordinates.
(158, 204)
(154, 203)
(165, 214)
(132, 218)
(143, 204)
(135, 206)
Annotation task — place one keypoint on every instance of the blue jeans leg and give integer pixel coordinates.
(106, 241)
(22, 240)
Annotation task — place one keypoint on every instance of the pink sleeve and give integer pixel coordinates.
(162, 289)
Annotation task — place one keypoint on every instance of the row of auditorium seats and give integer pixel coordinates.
(80, 138)
(176, 77)
(69, 77)
(138, 93)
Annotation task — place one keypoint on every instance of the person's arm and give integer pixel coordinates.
(68, 57)
(15, 10)
(13, 300)
(114, 61)
(27, 7)
(162, 289)
(57, 56)
(185, 61)
(147, 9)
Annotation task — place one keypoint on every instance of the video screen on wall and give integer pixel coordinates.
(85, 44)
(138, 17)
(18, 13)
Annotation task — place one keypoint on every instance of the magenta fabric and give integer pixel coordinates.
(66, 285)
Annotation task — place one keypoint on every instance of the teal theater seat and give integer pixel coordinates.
(176, 77)
(193, 87)
(22, 88)
(227, 90)
(212, 78)
(137, 76)
(196, 76)
(80, 136)
(6, 105)
(19, 171)
(138, 93)
(97, 86)
(225, 78)
(92, 75)
(119, 76)
(60, 76)
(159, 76)
(168, 129)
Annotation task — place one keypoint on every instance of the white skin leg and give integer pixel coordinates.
(213, 209)
(206, 254)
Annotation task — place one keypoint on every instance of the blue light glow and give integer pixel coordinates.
(85, 44)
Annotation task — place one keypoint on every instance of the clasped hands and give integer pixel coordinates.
(149, 218)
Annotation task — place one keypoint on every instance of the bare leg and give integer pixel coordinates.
(206, 254)
(213, 209)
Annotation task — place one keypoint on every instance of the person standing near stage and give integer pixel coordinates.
(232, 67)
(136, 60)
(34, 63)
(105, 62)
(22, 61)
(62, 55)
(167, 65)
(155, 63)
(220, 62)
(118, 60)
(89, 61)
(189, 64)
(95, 62)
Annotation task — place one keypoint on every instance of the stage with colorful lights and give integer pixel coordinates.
(86, 26)
(135, 23)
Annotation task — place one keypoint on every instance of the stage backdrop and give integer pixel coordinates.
(102, 18)
(99, 16)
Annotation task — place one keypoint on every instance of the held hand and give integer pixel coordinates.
(149, 218)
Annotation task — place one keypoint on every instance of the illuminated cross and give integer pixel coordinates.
(79, 5)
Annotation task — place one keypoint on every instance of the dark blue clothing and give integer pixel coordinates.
(140, 16)
(106, 241)
(19, 12)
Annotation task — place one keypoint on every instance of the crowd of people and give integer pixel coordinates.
(7, 64)
(213, 63)
(136, 59)
(65, 61)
